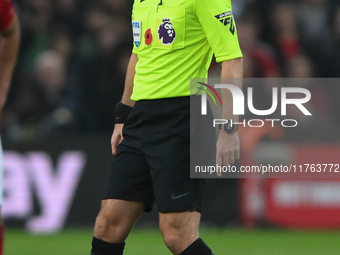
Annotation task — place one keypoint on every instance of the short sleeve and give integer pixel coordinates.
(7, 13)
(217, 20)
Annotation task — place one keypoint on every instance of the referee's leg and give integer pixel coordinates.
(113, 224)
(180, 233)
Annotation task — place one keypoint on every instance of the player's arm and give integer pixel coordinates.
(228, 145)
(9, 47)
(117, 136)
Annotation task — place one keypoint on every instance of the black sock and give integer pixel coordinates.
(197, 248)
(100, 247)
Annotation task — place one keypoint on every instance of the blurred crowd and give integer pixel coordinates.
(71, 68)
(295, 39)
(74, 54)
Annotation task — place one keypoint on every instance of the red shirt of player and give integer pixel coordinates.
(7, 13)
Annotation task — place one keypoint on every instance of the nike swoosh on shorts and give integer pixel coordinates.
(173, 197)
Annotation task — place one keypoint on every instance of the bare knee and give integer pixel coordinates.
(115, 221)
(110, 228)
(179, 231)
(172, 241)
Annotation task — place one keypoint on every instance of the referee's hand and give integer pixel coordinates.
(117, 137)
(227, 149)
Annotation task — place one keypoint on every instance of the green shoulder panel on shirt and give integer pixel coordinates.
(175, 41)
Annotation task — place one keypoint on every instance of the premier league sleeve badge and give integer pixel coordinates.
(137, 31)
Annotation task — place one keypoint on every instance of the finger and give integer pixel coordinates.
(219, 162)
(237, 155)
(232, 158)
(225, 160)
(219, 159)
(219, 172)
(114, 149)
(114, 145)
(120, 141)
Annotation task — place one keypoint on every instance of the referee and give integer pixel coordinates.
(9, 47)
(174, 40)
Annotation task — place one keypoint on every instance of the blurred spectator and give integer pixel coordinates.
(48, 100)
(35, 19)
(239, 7)
(259, 56)
(326, 51)
(285, 34)
(313, 16)
(333, 63)
(299, 66)
(319, 127)
(326, 54)
(103, 71)
(68, 13)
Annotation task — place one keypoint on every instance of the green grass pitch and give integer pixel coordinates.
(148, 241)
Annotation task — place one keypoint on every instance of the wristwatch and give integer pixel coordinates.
(228, 127)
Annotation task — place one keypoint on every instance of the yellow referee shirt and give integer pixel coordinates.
(175, 40)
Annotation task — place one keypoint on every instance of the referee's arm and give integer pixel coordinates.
(117, 136)
(228, 145)
(130, 75)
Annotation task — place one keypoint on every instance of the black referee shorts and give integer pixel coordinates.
(153, 161)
